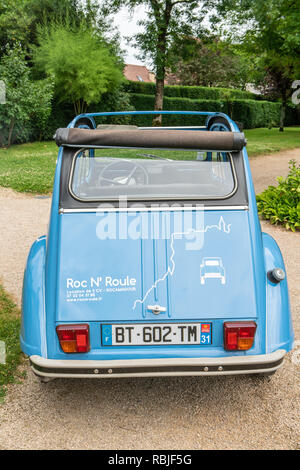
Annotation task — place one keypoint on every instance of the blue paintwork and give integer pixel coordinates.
(279, 330)
(73, 250)
(180, 294)
(33, 333)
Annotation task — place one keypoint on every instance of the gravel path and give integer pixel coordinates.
(266, 168)
(164, 413)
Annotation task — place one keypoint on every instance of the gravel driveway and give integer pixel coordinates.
(161, 413)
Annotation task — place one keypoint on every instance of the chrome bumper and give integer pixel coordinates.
(53, 368)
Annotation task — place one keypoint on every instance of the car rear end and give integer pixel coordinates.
(159, 267)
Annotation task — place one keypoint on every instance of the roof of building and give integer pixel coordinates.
(138, 73)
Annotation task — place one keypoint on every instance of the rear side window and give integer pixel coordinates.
(141, 175)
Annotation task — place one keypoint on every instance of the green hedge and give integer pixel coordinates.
(251, 113)
(193, 92)
(61, 115)
(255, 114)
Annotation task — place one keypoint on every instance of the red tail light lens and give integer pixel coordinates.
(239, 336)
(74, 338)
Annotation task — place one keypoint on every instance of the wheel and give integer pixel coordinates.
(264, 375)
(45, 380)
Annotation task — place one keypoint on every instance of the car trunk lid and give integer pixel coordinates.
(159, 265)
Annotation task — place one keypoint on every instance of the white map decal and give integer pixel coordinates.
(221, 226)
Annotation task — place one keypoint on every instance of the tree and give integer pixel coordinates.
(82, 64)
(208, 61)
(272, 35)
(75, 12)
(14, 23)
(166, 19)
(26, 101)
(20, 20)
(288, 26)
(273, 77)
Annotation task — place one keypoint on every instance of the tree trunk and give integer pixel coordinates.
(80, 106)
(282, 112)
(159, 100)
(163, 24)
(282, 117)
(298, 111)
(76, 107)
(11, 128)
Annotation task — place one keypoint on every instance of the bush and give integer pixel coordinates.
(251, 113)
(82, 65)
(63, 113)
(292, 115)
(119, 100)
(28, 102)
(281, 204)
(146, 102)
(256, 113)
(193, 92)
(9, 333)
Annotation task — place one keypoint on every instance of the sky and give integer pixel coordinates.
(128, 26)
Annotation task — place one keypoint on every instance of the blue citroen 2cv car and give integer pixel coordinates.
(154, 263)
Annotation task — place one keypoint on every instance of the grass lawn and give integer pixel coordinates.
(9, 334)
(30, 167)
(263, 140)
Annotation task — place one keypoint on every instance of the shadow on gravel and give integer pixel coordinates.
(154, 397)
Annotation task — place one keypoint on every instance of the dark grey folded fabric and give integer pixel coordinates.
(152, 138)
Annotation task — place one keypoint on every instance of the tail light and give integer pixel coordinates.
(74, 338)
(239, 336)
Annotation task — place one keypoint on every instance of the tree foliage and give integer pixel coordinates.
(82, 65)
(209, 62)
(14, 23)
(26, 100)
(271, 36)
(165, 21)
(20, 20)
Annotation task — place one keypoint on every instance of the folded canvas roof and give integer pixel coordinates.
(150, 138)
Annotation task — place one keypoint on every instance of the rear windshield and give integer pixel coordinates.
(139, 174)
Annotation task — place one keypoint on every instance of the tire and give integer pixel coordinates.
(45, 380)
(264, 375)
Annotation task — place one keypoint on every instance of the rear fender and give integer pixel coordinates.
(279, 327)
(32, 337)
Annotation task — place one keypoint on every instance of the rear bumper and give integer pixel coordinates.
(157, 367)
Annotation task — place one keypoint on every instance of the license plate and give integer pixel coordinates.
(156, 334)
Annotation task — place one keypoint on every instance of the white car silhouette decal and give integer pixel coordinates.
(212, 268)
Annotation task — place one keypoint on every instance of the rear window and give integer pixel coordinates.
(139, 174)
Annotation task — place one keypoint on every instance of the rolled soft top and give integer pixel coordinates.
(151, 138)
